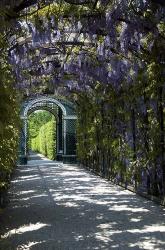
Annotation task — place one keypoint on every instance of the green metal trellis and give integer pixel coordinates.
(64, 113)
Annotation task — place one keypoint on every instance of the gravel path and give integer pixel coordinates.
(63, 207)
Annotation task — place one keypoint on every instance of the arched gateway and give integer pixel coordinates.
(65, 115)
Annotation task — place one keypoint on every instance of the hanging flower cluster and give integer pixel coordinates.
(105, 45)
(112, 54)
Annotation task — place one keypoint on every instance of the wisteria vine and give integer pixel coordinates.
(116, 47)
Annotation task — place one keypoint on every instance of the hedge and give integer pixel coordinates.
(9, 129)
(45, 141)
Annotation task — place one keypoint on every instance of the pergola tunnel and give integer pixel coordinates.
(63, 139)
(98, 67)
(82, 124)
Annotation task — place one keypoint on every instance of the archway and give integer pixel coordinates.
(64, 111)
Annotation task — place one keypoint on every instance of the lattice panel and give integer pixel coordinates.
(70, 137)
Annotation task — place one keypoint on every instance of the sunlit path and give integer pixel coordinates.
(57, 206)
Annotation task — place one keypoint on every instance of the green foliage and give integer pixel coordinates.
(9, 125)
(36, 120)
(42, 131)
(120, 134)
(115, 136)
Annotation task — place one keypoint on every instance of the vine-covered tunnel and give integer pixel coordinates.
(98, 67)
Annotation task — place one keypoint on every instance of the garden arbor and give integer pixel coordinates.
(107, 56)
(64, 112)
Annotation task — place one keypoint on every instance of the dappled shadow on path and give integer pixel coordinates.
(56, 206)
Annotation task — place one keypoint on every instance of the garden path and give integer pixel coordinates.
(64, 207)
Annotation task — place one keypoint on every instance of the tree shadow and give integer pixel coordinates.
(56, 206)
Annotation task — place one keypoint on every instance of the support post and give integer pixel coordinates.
(59, 133)
(23, 143)
(69, 131)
